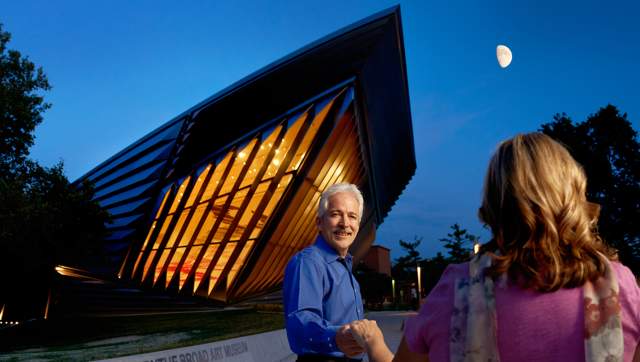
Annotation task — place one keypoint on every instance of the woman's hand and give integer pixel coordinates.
(368, 335)
(366, 332)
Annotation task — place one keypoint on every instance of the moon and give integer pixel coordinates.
(504, 55)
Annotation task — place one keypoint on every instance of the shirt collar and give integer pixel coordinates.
(328, 253)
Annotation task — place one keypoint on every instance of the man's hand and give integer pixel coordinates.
(346, 343)
(366, 333)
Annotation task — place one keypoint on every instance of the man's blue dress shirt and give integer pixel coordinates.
(320, 295)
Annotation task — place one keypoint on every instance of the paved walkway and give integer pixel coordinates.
(265, 347)
(391, 323)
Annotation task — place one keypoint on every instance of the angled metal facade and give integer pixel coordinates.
(216, 201)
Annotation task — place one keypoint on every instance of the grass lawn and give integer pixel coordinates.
(90, 338)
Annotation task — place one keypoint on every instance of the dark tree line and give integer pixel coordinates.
(458, 245)
(44, 220)
(606, 145)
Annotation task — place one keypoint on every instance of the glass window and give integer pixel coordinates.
(147, 265)
(188, 264)
(240, 262)
(310, 135)
(167, 191)
(196, 188)
(179, 195)
(144, 246)
(204, 264)
(165, 225)
(273, 201)
(250, 210)
(212, 215)
(176, 230)
(215, 178)
(160, 265)
(230, 215)
(222, 261)
(258, 161)
(173, 265)
(193, 223)
(288, 139)
(238, 164)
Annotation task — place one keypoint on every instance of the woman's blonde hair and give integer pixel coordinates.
(543, 226)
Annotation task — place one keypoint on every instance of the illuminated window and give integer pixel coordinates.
(222, 261)
(238, 164)
(215, 178)
(270, 206)
(193, 223)
(188, 264)
(196, 189)
(204, 264)
(249, 211)
(234, 210)
(179, 195)
(239, 262)
(261, 156)
(173, 265)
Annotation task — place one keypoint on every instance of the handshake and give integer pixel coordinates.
(359, 337)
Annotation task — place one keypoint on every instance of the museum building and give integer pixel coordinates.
(214, 202)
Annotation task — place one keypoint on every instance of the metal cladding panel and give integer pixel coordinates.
(388, 121)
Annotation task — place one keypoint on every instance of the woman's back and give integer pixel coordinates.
(531, 326)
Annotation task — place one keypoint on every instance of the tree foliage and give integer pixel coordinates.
(44, 220)
(607, 147)
(21, 104)
(404, 267)
(459, 244)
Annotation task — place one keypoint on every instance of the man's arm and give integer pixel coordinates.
(308, 332)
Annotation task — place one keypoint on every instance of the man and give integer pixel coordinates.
(321, 295)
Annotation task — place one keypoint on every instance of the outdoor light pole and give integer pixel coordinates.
(393, 290)
(419, 284)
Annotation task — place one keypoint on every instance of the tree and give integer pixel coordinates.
(405, 266)
(606, 145)
(456, 242)
(21, 104)
(44, 220)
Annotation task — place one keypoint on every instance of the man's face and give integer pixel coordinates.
(340, 223)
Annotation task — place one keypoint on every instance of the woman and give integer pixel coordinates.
(546, 288)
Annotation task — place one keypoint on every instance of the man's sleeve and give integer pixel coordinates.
(308, 332)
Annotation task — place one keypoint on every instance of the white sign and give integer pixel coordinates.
(264, 347)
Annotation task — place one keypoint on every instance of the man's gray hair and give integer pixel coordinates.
(336, 188)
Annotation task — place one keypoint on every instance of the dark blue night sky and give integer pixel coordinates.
(120, 69)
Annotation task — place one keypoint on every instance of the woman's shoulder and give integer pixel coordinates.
(626, 280)
(455, 271)
(625, 275)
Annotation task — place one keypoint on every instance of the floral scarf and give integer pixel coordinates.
(474, 324)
